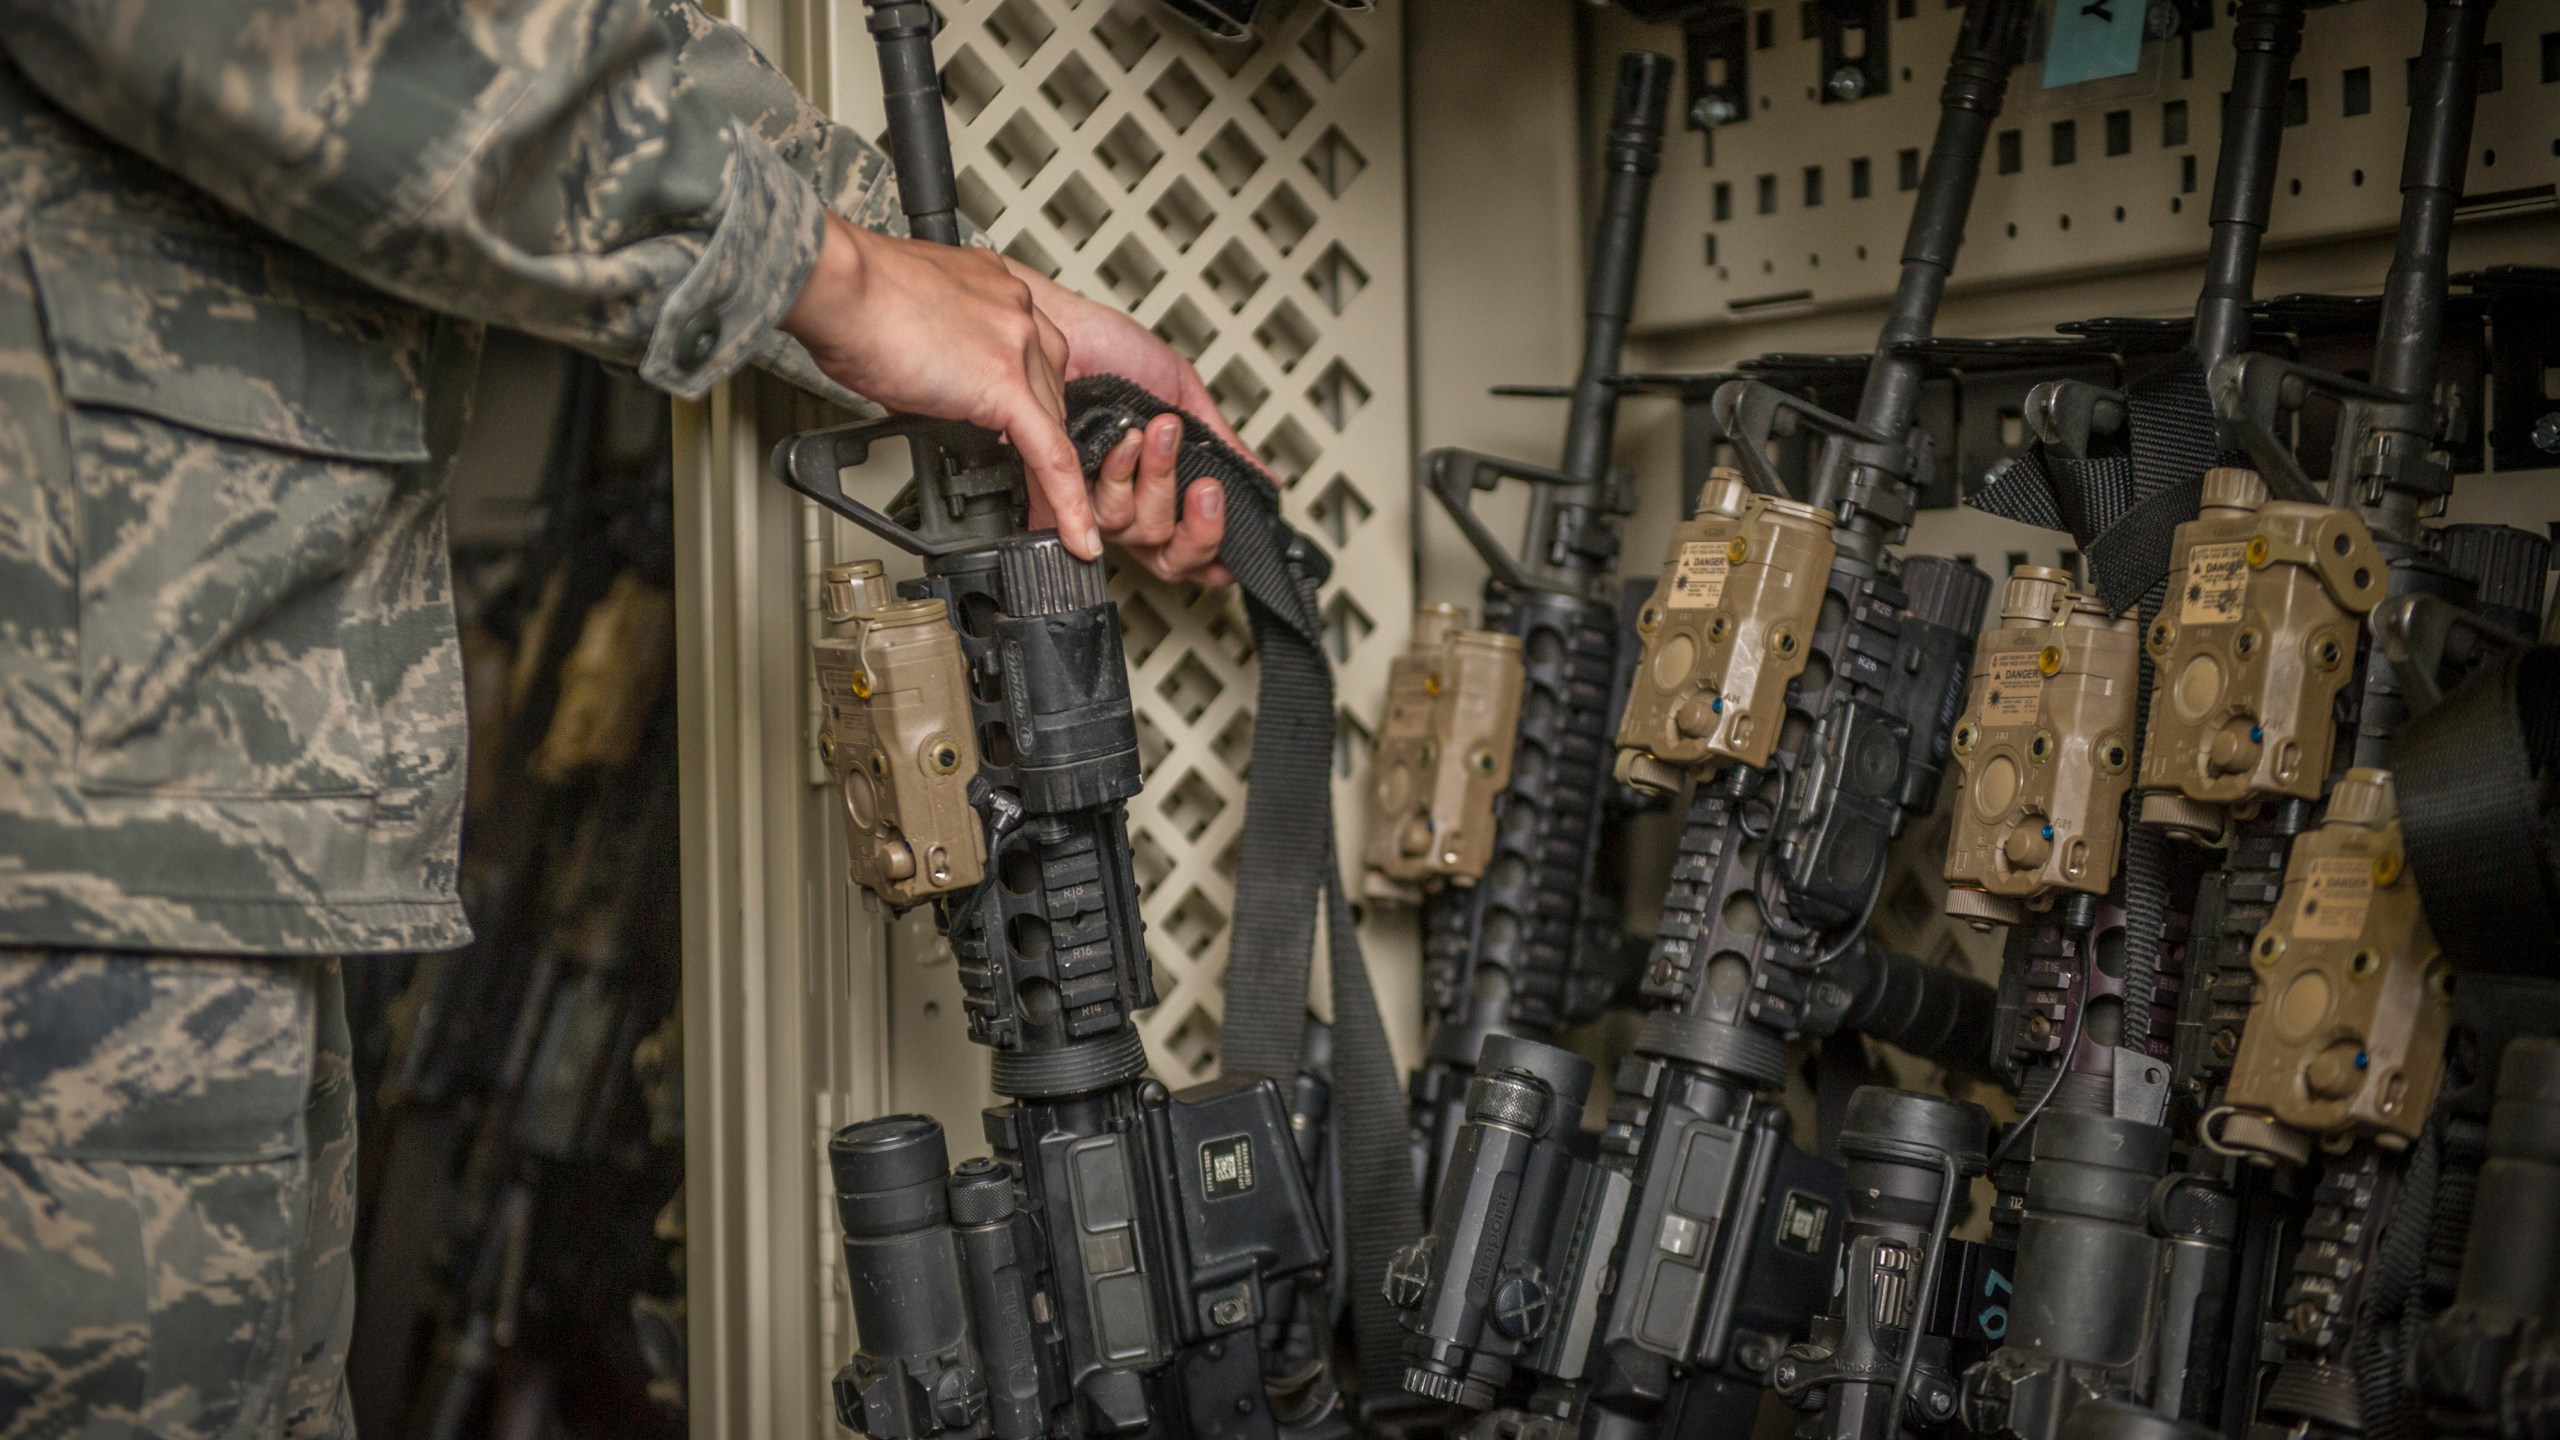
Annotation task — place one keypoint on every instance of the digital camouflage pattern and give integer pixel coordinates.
(850, 173)
(177, 1196)
(246, 249)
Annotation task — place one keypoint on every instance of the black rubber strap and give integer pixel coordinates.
(2471, 776)
(1287, 870)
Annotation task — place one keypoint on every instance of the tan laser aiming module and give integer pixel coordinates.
(1444, 755)
(896, 735)
(2346, 1040)
(2044, 749)
(1728, 628)
(2256, 638)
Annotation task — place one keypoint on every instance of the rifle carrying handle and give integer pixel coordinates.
(813, 464)
(1751, 413)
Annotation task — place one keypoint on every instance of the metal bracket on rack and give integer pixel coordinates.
(2524, 347)
(1715, 36)
(1867, 69)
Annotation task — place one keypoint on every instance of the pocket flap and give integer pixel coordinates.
(248, 340)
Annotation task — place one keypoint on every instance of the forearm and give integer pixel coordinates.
(536, 166)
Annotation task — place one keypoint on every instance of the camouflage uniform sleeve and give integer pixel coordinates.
(848, 172)
(717, 60)
(530, 163)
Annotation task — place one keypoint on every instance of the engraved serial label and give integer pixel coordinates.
(1226, 1166)
(1698, 581)
(2217, 577)
(1803, 1222)
(2015, 686)
(2335, 895)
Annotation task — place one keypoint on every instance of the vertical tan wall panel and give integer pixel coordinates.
(1498, 235)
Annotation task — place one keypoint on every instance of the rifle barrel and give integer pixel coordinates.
(1634, 152)
(919, 141)
(2267, 35)
(1968, 106)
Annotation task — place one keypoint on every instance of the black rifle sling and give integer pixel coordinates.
(2471, 775)
(2123, 510)
(1287, 869)
(2023, 489)
(2170, 419)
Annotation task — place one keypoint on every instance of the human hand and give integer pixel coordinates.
(1134, 495)
(1134, 498)
(954, 334)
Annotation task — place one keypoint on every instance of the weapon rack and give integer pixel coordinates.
(1357, 225)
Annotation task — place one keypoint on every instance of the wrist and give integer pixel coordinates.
(834, 285)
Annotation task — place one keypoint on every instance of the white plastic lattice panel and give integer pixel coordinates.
(1804, 203)
(1247, 203)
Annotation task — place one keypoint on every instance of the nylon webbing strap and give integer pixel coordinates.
(2022, 490)
(2471, 775)
(2169, 418)
(2123, 510)
(2097, 492)
(1287, 870)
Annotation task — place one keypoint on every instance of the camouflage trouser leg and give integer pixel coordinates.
(177, 1196)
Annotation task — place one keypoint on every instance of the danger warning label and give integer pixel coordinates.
(2217, 578)
(1697, 582)
(2015, 684)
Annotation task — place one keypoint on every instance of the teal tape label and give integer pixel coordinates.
(2093, 40)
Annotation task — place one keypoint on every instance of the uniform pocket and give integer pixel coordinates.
(241, 420)
(154, 1149)
(155, 1060)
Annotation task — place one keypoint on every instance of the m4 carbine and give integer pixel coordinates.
(2124, 1276)
(2313, 1011)
(2343, 1052)
(1807, 679)
(1110, 1269)
(1490, 788)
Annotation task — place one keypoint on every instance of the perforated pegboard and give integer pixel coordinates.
(1803, 204)
(1246, 202)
